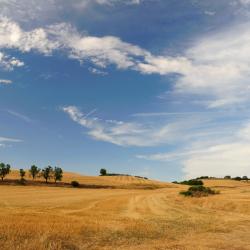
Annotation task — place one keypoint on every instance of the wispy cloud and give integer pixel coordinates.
(20, 116)
(5, 141)
(36, 10)
(131, 133)
(5, 81)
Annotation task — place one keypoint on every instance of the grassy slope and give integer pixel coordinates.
(63, 218)
(113, 181)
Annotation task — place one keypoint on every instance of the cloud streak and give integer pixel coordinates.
(129, 133)
(5, 81)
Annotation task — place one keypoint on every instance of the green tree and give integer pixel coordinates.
(103, 171)
(22, 173)
(57, 174)
(34, 171)
(47, 173)
(4, 170)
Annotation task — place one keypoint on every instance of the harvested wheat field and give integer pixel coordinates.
(68, 218)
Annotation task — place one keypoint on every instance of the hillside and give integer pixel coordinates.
(112, 181)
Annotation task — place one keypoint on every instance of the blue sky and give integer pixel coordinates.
(155, 88)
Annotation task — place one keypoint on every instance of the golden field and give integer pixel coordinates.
(34, 217)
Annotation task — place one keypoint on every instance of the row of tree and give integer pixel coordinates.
(47, 173)
(238, 178)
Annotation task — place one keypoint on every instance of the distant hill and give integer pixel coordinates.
(112, 181)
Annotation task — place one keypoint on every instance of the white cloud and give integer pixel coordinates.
(5, 81)
(212, 154)
(9, 63)
(96, 71)
(216, 67)
(129, 133)
(7, 139)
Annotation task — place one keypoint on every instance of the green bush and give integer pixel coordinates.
(75, 184)
(237, 178)
(193, 182)
(199, 191)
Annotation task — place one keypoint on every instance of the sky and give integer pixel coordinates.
(157, 88)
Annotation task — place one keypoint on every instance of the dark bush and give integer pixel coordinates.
(193, 182)
(237, 178)
(22, 182)
(199, 191)
(75, 184)
(203, 177)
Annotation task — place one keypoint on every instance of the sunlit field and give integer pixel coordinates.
(35, 217)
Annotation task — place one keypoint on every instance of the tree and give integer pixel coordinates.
(47, 173)
(4, 170)
(57, 174)
(227, 177)
(22, 173)
(103, 171)
(34, 171)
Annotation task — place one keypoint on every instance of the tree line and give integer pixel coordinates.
(47, 173)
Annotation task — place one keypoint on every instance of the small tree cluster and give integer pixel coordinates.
(52, 173)
(243, 178)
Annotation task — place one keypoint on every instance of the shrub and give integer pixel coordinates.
(22, 182)
(199, 191)
(75, 184)
(203, 177)
(193, 182)
(237, 178)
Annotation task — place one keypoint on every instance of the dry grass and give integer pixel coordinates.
(65, 218)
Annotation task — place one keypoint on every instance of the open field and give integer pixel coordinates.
(68, 218)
